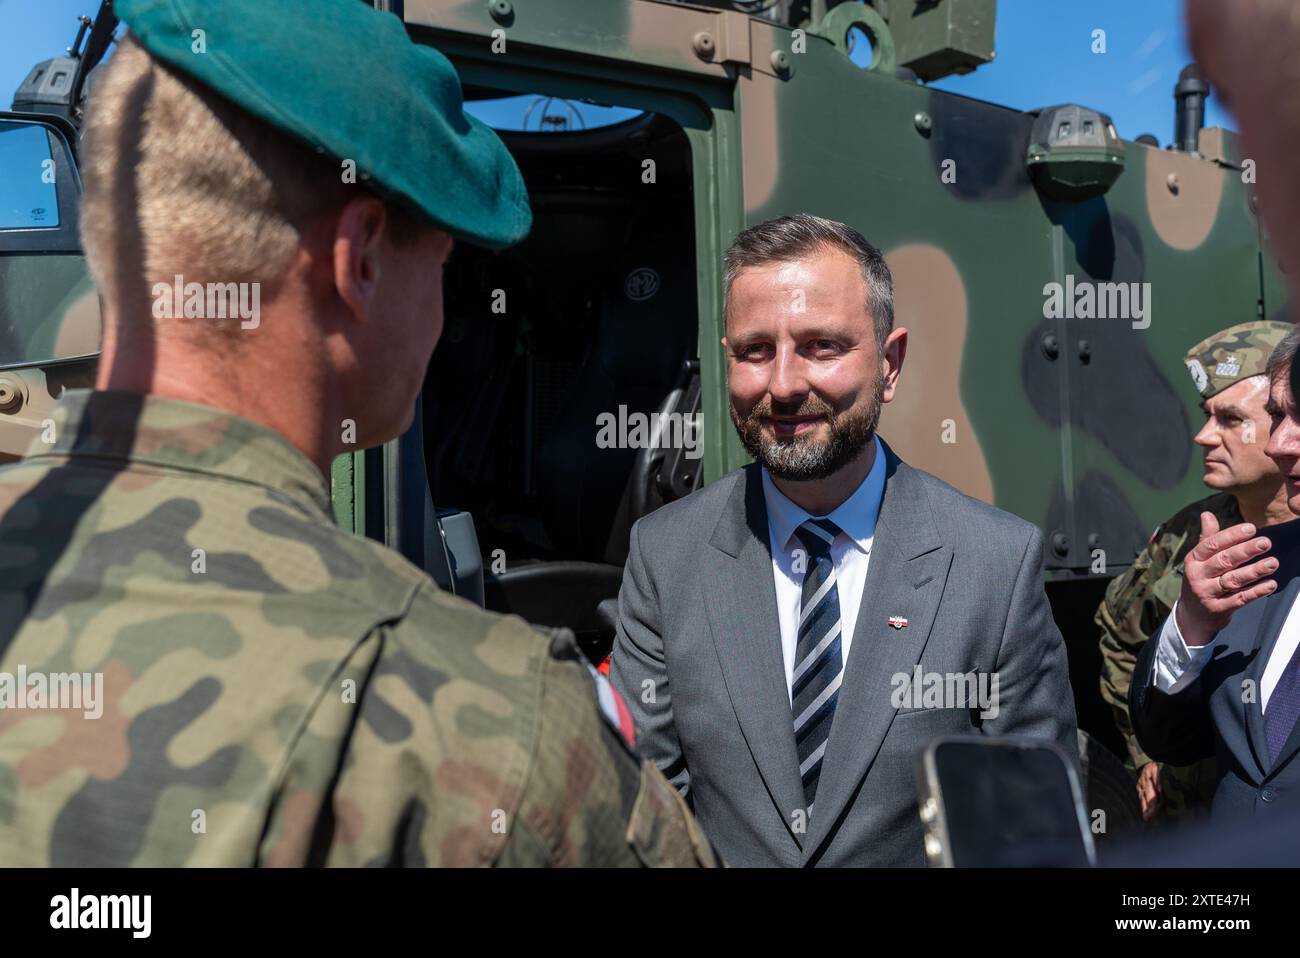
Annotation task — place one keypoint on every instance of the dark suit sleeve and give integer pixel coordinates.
(639, 671)
(1034, 694)
(1173, 728)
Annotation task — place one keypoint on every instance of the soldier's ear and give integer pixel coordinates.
(356, 253)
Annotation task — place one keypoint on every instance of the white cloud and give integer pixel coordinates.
(1143, 81)
(1151, 44)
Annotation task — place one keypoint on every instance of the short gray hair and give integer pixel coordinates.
(1279, 360)
(792, 237)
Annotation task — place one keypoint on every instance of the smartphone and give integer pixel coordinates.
(1001, 803)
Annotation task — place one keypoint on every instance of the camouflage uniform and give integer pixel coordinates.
(1136, 604)
(291, 694)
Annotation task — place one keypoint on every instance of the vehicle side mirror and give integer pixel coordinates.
(49, 311)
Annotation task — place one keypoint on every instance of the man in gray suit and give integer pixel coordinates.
(793, 634)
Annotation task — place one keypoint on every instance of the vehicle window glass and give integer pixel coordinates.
(530, 113)
(28, 195)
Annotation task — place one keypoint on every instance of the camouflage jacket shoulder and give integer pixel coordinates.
(486, 733)
(275, 690)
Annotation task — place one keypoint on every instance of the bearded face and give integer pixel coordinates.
(809, 454)
(806, 375)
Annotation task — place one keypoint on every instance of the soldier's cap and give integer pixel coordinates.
(1233, 354)
(345, 79)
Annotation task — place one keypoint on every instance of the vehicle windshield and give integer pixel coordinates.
(532, 113)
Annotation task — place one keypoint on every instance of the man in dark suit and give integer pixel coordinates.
(1224, 677)
(793, 634)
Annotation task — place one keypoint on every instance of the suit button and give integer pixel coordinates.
(1266, 793)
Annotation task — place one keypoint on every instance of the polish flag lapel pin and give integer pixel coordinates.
(897, 622)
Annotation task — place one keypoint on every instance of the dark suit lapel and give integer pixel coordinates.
(743, 616)
(1286, 549)
(1266, 636)
(905, 577)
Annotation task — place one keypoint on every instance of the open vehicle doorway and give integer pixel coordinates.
(562, 400)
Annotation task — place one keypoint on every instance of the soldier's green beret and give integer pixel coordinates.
(345, 79)
(1233, 354)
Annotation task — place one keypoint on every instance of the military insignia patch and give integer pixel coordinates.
(1229, 367)
(612, 707)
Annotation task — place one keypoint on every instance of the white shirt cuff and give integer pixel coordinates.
(1177, 664)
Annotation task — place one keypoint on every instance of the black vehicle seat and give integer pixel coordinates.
(646, 328)
(567, 594)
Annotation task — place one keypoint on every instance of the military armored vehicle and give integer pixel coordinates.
(1051, 272)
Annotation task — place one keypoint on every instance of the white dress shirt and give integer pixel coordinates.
(1177, 664)
(851, 552)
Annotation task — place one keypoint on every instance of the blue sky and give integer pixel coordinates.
(1044, 56)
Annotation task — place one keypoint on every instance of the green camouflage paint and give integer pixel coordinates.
(981, 403)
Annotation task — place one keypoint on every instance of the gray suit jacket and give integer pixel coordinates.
(698, 659)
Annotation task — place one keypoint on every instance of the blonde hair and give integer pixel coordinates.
(180, 181)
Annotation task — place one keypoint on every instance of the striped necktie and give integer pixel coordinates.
(1283, 708)
(819, 666)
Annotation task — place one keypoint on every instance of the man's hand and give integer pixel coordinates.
(1149, 790)
(1221, 575)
